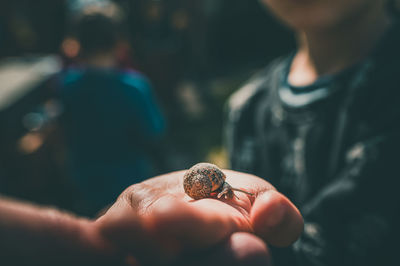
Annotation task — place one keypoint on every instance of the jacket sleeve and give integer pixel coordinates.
(240, 125)
(354, 220)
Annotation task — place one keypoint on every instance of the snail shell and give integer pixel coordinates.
(202, 179)
(206, 180)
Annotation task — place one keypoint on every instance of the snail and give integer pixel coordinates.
(206, 180)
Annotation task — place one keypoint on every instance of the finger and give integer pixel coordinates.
(169, 228)
(275, 219)
(240, 249)
(196, 224)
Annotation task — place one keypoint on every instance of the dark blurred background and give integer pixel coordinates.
(195, 53)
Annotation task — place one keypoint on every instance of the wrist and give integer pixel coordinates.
(94, 247)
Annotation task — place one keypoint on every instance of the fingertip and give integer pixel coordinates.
(275, 219)
(249, 249)
(238, 250)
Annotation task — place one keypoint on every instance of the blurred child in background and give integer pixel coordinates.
(322, 125)
(111, 117)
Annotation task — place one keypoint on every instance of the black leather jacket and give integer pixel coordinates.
(337, 159)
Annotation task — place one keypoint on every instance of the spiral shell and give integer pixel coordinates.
(202, 179)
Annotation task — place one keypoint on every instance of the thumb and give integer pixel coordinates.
(275, 219)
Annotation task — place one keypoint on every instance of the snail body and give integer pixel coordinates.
(205, 180)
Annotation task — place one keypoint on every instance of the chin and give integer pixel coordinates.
(312, 25)
(321, 14)
(316, 19)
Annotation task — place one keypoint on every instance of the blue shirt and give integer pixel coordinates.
(111, 119)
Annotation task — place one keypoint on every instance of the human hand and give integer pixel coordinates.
(155, 222)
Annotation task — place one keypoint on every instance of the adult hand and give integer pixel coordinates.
(155, 222)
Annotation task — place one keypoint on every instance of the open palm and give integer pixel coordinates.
(155, 221)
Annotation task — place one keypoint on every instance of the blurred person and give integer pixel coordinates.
(322, 125)
(112, 121)
(76, 9)
(154, 223)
